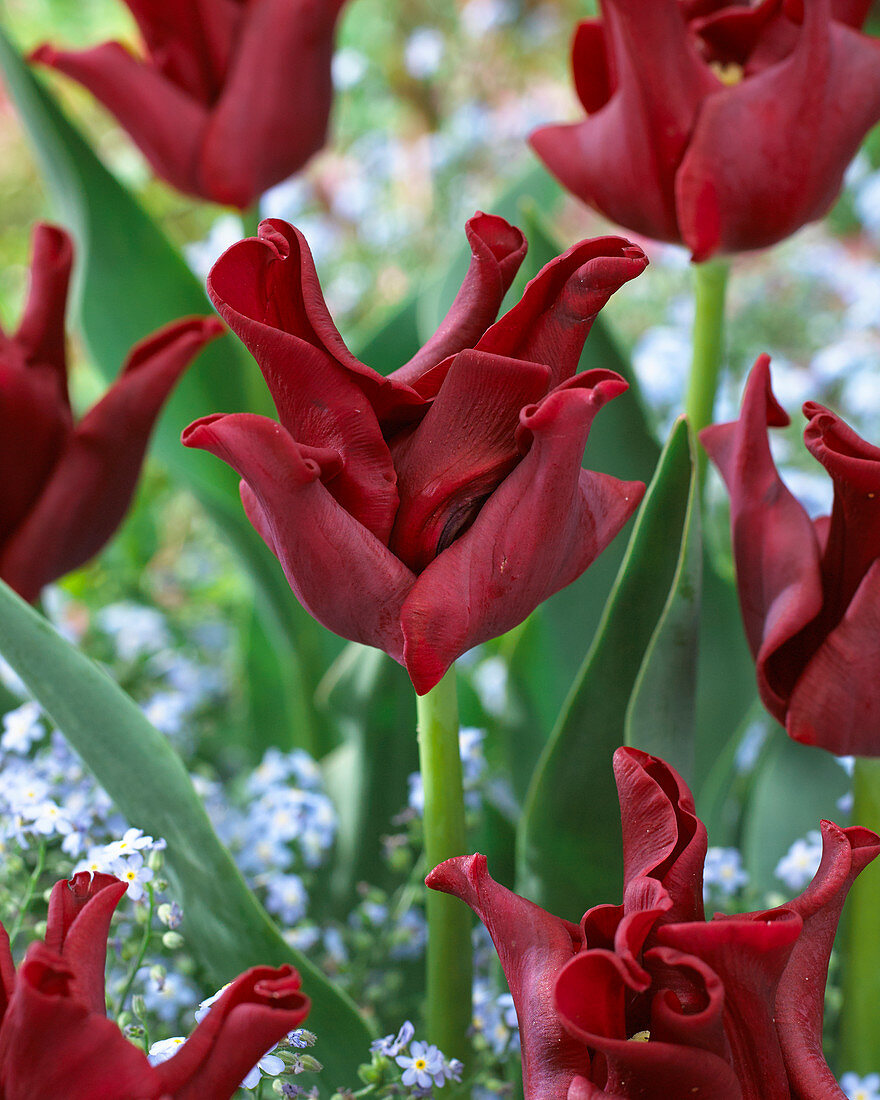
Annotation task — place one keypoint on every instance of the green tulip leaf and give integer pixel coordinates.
(224, 924)
(569, 849)
(373, 704)
(130, 280)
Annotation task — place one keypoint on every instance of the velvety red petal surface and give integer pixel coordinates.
(553, 318)
(77, 925)
(532, 946)
(254, 139)
(257, 1010)
(341, 573)
(166, 123)
(540, 529)
(623, 159)
(40, 333)
(497, 250)
(51, 1045)
(775, 548)
(805, 118)
(91, 485)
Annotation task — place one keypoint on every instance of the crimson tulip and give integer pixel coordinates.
(716, 124)
(231, 97)
(428, 511)
(56, 1039)
(809, 590)
(647, 1000)
(67, 486)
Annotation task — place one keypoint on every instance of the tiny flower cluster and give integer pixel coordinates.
(125, 859)
(424, 1066)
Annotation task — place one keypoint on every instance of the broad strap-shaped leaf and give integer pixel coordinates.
(569, 848)
(661, 715)
(130, 280)
(224, 924)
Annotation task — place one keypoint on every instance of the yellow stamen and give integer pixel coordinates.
(728, 72)
(640, 1037)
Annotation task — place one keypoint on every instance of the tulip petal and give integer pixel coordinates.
(853, 541)
(35, 426)
(76, 929)
(460, 452)
(538, 531)
(40, 333)
(257, 1010)
(190, 41)
(800, 1001)
(339, 571)
(7, 973)
(553, 318)
(659, 83)
(92, 482)
(591, 66)
(774, 544)
(829, 704)
(532, 946)
(52, 1045)
(749, 956)
(267, 291)
(663, 838)
(805, 118)
(164, 122)
(497, 250)
(275, 103)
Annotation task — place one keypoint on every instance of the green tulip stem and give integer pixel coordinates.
(859, 1018)
(449, 965)
(250, 220)
(710, 284)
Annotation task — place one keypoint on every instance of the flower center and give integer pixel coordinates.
(420, 1063)
(728, 72)
(640, 1037)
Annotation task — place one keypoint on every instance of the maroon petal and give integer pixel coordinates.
(553, 318)
(35, 426)
(592, 995)
(52, 1045)
(76, 929)
(339, 571)
(833, 704)
(802, 119)
(774, 544)
(40, 333)
(853, 540)
(164, 122)
(591, 65)
(749, 955)
(800, 1000)
(7, 973)
(497, 250)
(190, 43)
(663, 839)
(255, 1011)
(267, 291)
(254, 139)
(538, 531)
(460, 452)
(623, 159)
(91, 485)
(532, 946)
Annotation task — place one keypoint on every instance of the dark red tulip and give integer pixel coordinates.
(55, 1037)
(428, 511)
(716, 124)
(65, 487)
(231, 97)
(649, 1001)
(809, 589)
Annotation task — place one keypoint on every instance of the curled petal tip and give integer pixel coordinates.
(44, 54)
(456, 874)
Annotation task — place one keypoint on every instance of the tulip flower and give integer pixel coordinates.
(428, 511)
(647, 1000)
(809, 590)
(66, 486)
(721, 126)
(231, 97)
(56, 1039)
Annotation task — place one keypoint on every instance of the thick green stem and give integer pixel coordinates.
(710, 284)
(859, 1017)
(250, 220)
(448, 1009)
